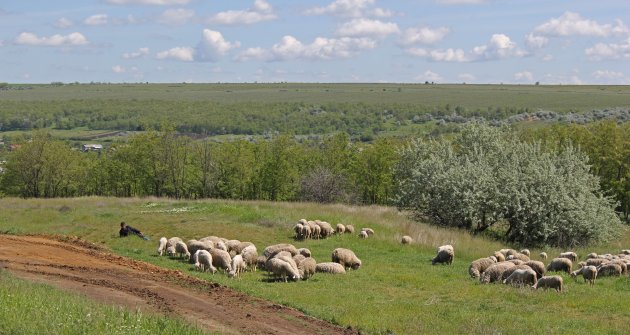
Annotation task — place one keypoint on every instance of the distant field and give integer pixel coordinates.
(397, 290)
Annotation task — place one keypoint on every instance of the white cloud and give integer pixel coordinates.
(343, 8)
(118, 69)
(423, 35)
(609, 51)
(524, 76)
(440, 55)
(466, 77)
(75, 38)
(290, 48)
(64, 23)
(547, 58)
(213, 45)
(381, 12)
(186, 54)
(572, 24)
(500, 46)
(367, 28)
(96, 20)
(429, 75)
(606, 74)
(536, 41)
(260, 12)
(176, 16)
(142, 52)
(148, 2)
(461, 2)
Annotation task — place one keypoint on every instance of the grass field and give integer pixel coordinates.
(395, 291)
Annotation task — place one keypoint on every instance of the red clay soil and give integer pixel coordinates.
(78, 266)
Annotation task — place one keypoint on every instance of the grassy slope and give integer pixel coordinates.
(397, 289)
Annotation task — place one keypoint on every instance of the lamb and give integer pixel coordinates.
(560, 264)
(477, 267)
(273, 249)
(546, 282)
(521, 277)
(537, 266)
(305, 252)
(340, 228)
(589, 273)
(250, 256)
(203, 261)
(221, 259)
(493, 273)
(406, 239)
(238, 266)
(445, 254)
(610, 269)
(330, 267)
(525, 252)
(543, 255)
(306, 268)
(182, 250)
(346, 257)
(282, 269)
(349, 229)
(570, 255)
(369, 231)
(363, 234)
(162, 246)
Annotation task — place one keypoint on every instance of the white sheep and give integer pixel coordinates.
(543, 255)
(369, 231)
(307, 267)
(346, 257)
(494, 272)
(325, 227)
(525, 252)
(592, 255)
(282, 269)
(560, 264)
(609, 269)
(273, 249)
(298, 231)
(340, 228)
(203, 261)
(250, 255)
(363, 234)
(221, 259)
(194, 245)
(589, 273)
(305, 252)
(521, 277)
(316, 230)
(406, 239)
(162, 246)
(499, 256)
(477, 267)
(538, 267)
(570, 255)
(238, 266)
(182, 250)
(349, 229)
(546, 282)
(445, 254)
(306, 232)
(241, 246)
(330, 267)
(170, 245)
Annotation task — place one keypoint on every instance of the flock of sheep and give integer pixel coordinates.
(512, 267)
(282, 261)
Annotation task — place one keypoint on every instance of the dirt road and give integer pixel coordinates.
(78, 266)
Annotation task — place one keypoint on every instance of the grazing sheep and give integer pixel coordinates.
(538, 267)
(521, 277)
(406, 240)
(445, 254)
(546, 282)
(306, 268)
(509, 271)
(543, 255)
(221, 259)
(592, 255)
(363, 234)
(298, 258)
(369, 231)
(525, 252)
(326, 229)
(340, 228)
(622, 264)
(282, 269)
(170, 245)
(221, 246)
(203, 261)
(477, 267)
(330, 267)
(499, 256)
(273, 249)
(194, 245)
(298, 231)
(347, 258)
(570, 255)
(182, 250)
(493, 273)
(560, 264)
(596, 261)
(316, 230)
(260, 262)
(213, 239)
(306, 232)
(519, 256)
(516, 261)
(162, 246)
(349, 229)
(231, 244)
(609, 269)
(250, 256)
(238, 266)
(241, 246)
(589, 273)
(305, 252)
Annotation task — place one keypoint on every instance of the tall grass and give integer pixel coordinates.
(396, 290)
(28, 308)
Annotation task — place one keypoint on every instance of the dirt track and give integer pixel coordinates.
(78, 266)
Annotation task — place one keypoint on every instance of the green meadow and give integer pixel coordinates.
(397, 290)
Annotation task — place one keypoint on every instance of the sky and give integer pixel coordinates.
(370, 41)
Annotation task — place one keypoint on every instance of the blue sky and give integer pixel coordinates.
(444, 41)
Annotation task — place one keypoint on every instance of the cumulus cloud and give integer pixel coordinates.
(572, 24)
(428, 75)
(149, 2)
(351, 8)
(96, 20)
(73, 39)
(260, 12)
(118, 69)
(213, 45)
(423, 35)
(536, 41)
(500, 46)
(367, 28)
(64, 23)
(606, 74)
(290, 48)
(176, 16)
(524, 76)
(185, 54)
(142, 52)
(602, 51)
(440, 55)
